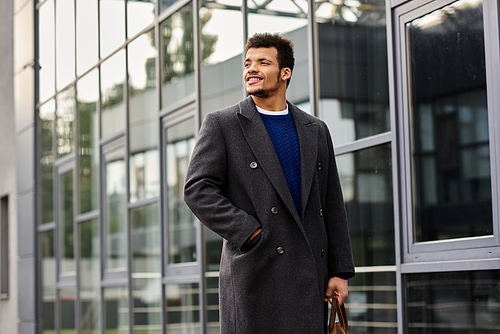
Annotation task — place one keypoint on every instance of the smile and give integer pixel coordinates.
(253, 80)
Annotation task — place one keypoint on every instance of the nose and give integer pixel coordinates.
(252, 68)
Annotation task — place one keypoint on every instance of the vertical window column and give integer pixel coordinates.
(4, 247)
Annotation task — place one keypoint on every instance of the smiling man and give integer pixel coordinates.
(263, 176)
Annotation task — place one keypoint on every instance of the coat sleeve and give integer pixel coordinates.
(339, 242)
(203, 188)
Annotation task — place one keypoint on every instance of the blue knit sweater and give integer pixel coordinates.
(281, 130)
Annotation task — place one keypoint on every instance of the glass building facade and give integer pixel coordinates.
(119, 89)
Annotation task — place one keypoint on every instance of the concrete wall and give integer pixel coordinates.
(25, 163)
(8, 304)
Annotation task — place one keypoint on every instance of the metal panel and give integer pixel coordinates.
(25, 160)
(26, 293)
(26, 224)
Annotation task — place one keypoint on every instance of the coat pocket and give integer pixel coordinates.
(251, 245)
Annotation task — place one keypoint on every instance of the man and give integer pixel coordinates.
(263, 176)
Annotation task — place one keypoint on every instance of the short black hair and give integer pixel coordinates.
(283, 45)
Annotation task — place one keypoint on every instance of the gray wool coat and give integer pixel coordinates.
(234, 185)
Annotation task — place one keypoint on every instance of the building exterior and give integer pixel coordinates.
(100, 104)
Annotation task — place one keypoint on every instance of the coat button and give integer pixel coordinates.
(253, 165)
(321, 212)
(319, 166)
(274, 210)
(280, 250)
(322, 253)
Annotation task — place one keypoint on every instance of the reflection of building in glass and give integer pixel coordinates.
(100, 104)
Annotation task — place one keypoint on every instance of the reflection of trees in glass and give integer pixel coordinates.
(65, 112)
(66, 221)
(88, 173)
(46, 167)
(364, 11)
(149, 68)
(177, 44)
(113, 95)
(207, 41)
(88, 234)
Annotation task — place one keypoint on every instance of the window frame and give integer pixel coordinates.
(66, 166)
(482, 247)
(112, 277)
(191, 271)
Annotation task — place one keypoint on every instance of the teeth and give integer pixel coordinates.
(253, 79)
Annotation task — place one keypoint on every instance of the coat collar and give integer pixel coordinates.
(257, 137)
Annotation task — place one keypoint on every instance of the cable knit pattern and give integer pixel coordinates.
(281, 129)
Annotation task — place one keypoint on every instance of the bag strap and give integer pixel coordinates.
(340, 310)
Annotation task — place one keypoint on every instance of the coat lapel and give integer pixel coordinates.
(307, 132)
(262, 147)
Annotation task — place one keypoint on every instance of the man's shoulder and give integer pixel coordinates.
(230, 113)
(226, 112)
(305, 115)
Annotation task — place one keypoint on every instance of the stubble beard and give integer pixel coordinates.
(265, 93)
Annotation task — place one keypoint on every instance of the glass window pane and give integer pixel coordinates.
(65, 42)
(181, 221)
(48, 282)
(454, 302)
(145, 239)
(212, 297)
(89, 277)
(88, 142)
(366, 178)
(147, 305)
(354, 95)
(449, 120)
(221, 64)
(112, 25)
(47, 114)
(115, 202)
(46, 47)
(112, 90)
(65, 112)
(165, 4)
(140, 14)
(67, 258)
(290, 19)
(213, 248)
(182, 308)
(143, 118)
(86, 35)
(116, 310)
(177, 56)
(67, 299)
(371, 305)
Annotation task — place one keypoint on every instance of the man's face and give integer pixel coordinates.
(262, 75)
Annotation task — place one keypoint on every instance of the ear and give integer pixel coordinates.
(286, 73)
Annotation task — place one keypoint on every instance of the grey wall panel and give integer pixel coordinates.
(26, 281)
(24, 98)
(26, 328)
(8, 307)
(25, 160)
(24, 36)
(26, 224)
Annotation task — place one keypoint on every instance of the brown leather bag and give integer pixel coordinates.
(341, 326)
